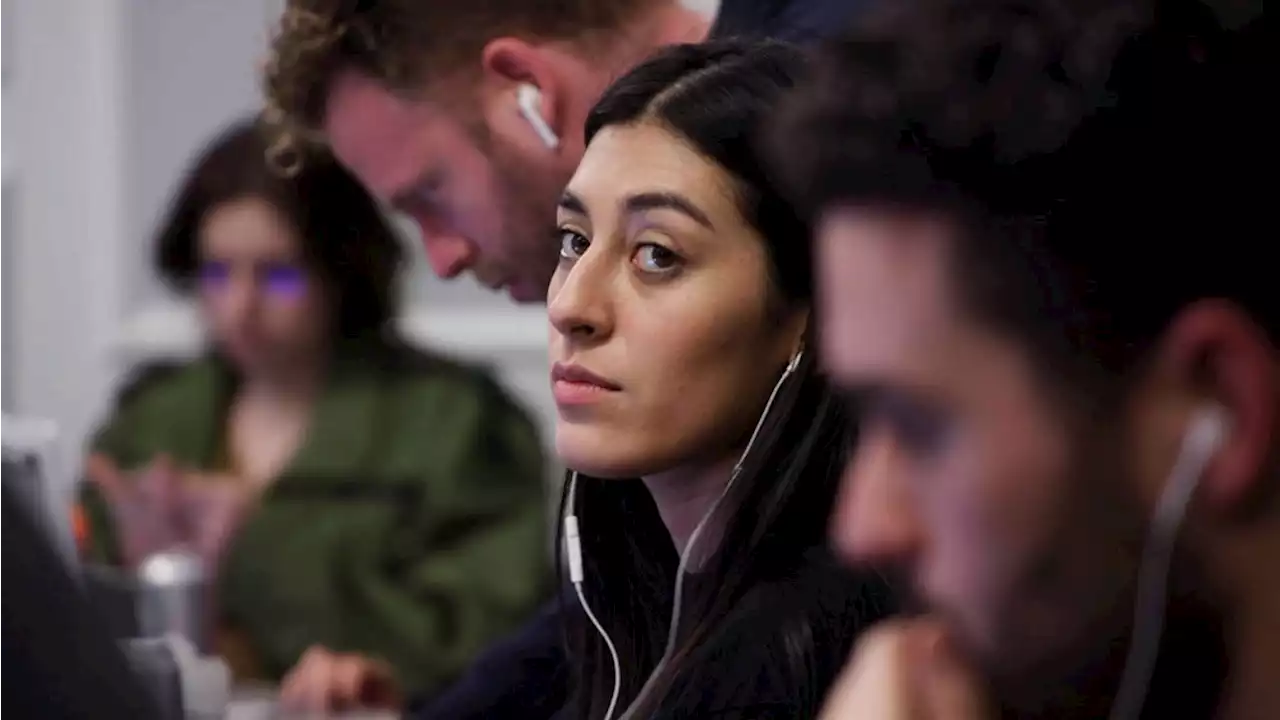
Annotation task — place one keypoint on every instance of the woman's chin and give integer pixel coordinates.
(602, 454)
(598, 457)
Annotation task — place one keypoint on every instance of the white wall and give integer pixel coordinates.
(706, 7)
(8, 226)
(64, 207)
(8, 218)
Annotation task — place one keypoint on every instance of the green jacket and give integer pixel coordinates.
(411, 524)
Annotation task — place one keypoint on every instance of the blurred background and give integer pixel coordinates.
(105, 103)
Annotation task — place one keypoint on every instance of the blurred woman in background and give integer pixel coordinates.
(342, 488)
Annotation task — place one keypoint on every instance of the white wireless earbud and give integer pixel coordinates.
(1205, 433)
(528, 99)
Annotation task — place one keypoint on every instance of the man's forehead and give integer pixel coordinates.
(884, 297)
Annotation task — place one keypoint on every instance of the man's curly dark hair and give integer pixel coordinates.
(405, 44)
(1100, 158)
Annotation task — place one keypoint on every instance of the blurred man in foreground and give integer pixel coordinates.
(1045, 289)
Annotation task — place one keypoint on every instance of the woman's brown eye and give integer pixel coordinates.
(655, 258)
(572, 244)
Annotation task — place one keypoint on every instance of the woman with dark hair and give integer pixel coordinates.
(704, 444)
(342, 488)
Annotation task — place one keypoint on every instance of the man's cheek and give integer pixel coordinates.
(963, 572)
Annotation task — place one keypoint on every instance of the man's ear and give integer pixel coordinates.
(1227, 358)
(509, 62)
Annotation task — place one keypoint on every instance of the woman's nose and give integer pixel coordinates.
(579, 303)
(240, 297)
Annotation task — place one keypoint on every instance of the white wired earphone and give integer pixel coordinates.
(1204, 436)
(529, 100)
(573, 549)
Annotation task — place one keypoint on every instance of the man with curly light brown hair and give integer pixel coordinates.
(422, 101)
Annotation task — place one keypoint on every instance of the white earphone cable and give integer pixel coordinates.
(573, 547)
(1202, 439)
(673, 630)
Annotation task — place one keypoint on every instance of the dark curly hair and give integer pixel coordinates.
(1097, 157)
(405, 44)
(345, 238)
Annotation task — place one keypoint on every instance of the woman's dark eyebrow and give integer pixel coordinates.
(571, 202)
(667, 201)
(644, 201)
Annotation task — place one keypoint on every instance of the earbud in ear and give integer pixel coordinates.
(529, 100)
(1204, 436)
(1202, 439)
(1207, 431)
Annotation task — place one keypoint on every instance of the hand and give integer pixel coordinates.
(324, 681)
(146, 508)
(213, 506)
(906, 670)
(160, 507)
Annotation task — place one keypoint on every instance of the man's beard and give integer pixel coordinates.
(1187, 680)
(1094, 574)
(1077, 592)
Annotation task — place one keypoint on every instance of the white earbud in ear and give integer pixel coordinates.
(529, 99)
(1204, 436)
(1208, 429)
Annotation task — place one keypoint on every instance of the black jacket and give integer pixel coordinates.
(779, 650)
(796, 21)
(523, 676)
(774, 656)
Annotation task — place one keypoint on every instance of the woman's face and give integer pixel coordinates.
(262, 306)
(666, 333)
